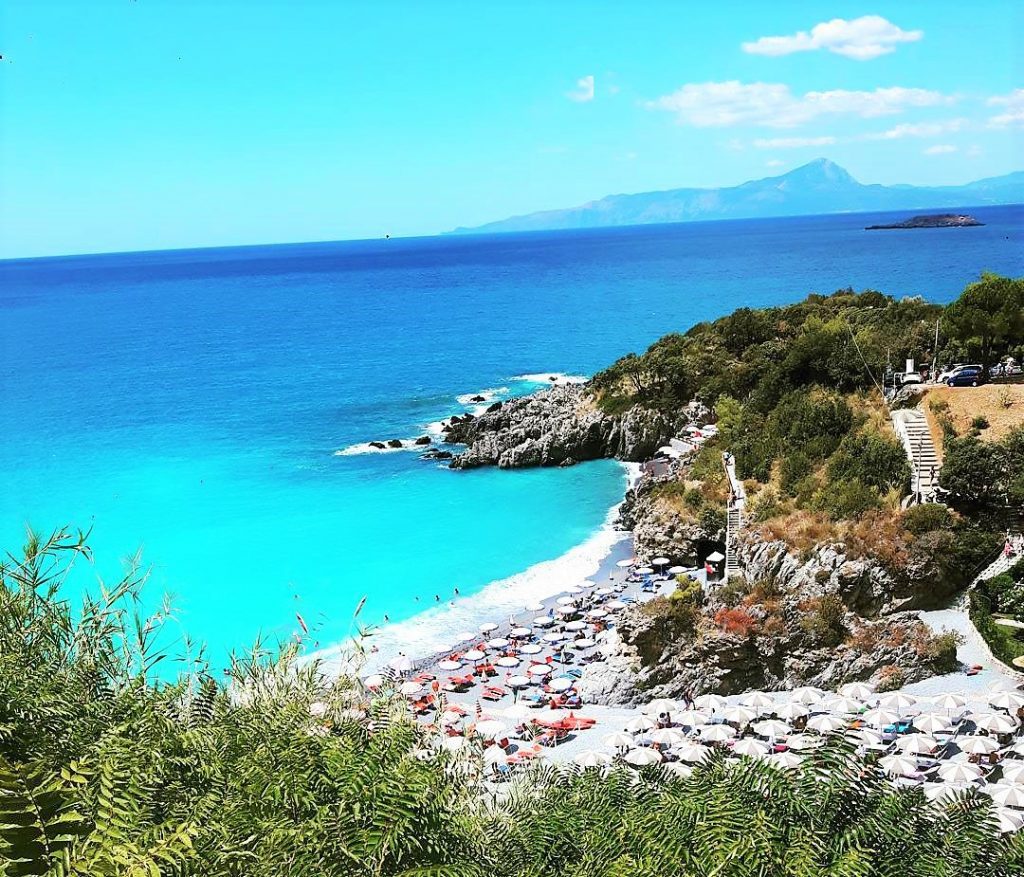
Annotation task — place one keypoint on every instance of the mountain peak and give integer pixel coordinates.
(821, 170)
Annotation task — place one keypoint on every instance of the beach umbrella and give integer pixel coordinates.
(641, 757)
(659, 705)
(623, 564)
(519, 632)
(758, 700)
(554, 637)
(716, 557)
(803, 741)
(748, 746)
(498, 643)
(931, 722)
(676, 570)
(590, 758)
(1018, 748)
(867, 737)
(543, 621)
(495, 755)
(640, 723)
(575, 625)
(487, 627)
(712, 702)
(535, 607)
(949, 701)
(491, 729)
(826, 723)
(666, 736)
(560, 684)
(1007, 795)
(464, 637)
(644, 571)
(584, 643)
(844, 704)
(531, 649)
(474, 655)
(741, 715)
(586, 583)
(604, 592)
(448, 664)
(806, 695)
(450, 717)
(566, 601)
(859, 690)
(660, 561)
(574, 589)
(538, 670)
(879, 717)
(507, 661)
(771, 728)
(518, 681)
(786, 760)
(717, 733)
(453, 744)
(792, 710)
(975, 744)
(1013, 773)
(917, 744)
(598, 613)
(618, 740)
(899, 765)
(959, 772)
(691, 718)
(615, 605)
(680, 770)
(374, 681)
(994, 723)
(517, 712)
(692, 752)
(1008, 821)
(944, 793)
(549, 717)
(565, 610)
(410, 688)
(1006, 700)
(897, 700)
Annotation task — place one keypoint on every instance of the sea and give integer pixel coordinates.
(209, 410)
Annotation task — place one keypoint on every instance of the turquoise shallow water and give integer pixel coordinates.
(193, 403)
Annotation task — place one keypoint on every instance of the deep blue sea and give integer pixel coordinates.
(193, 403)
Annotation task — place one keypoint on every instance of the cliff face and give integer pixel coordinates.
(556, 427)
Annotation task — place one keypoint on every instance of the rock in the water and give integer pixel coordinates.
(436, 454)
(380, 446)
(394, 443)
(495, 407)
(478, 399)
(423, 440)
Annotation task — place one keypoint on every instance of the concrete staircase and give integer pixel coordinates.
(912, 428)
(734, 523)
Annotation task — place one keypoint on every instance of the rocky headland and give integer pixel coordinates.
(933, 220)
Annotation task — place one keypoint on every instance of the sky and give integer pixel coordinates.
(154, 124)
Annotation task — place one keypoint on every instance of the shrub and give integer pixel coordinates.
(873, 460)
(712, 519)
(693, 499)
(732, 592)
(980, 422)
(847, 500)
(795, 467)
(824, 620)
(737, 622)
(890, 678)
(939, 406)
(924, 518)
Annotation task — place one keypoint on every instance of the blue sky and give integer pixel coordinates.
(139, 125)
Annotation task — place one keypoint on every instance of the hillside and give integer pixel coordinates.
(815, 188)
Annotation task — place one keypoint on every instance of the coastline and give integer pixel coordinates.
(428, 635)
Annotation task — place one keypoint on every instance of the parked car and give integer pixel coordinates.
(1004, 370)
(954, 371)
(967, 377)
(905, 378)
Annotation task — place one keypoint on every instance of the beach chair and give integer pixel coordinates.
(493, 692)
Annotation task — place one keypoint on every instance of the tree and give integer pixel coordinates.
(988, 316)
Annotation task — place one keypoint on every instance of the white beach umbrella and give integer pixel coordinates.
(801, 742)
(642, 757)
(518, 711)
(975, 744)
(931, 722)
(624, 564)
(618, 740)
(449, 717)
(717, 733)
(747, 746)
(897, 700)
(520, 632)
(949, 701)
(959, 772)
(666, 736)
(597, 613)
(410, 688)
(604, 592)
(615, 605)
(660, 705)
(575, 625)
(584, 643)
(741, 715)
(879, 718)
(1008, 795)
(944, 793)
(549, 715)
(490, 729)
(640, 723)
(464, 637)
(518, 681)
(374, 681)
(691, 718)
(867, 737)
(474, 655)
(487, 627)
(497, 643)
(539, 670)
(917, 744)
(660, 561)
(771, 728)
(787, 760)
(676, 769)
(590, 758)
(994, 723)
(575, 589)
(566, 600)
(1006, 700)
(495, 755)
(543, 621)
(1008, 821)
(692, 752)
(553, 637)
(806, 695)
(565, 610)
(507, 661)
(1013, 773)
(448, 664)
(844, 704)
(1018, 748)
(644, 571)
(792, 710)
(758, 700)
(899, 765)
(560, 684)
(858, 690)
(676, 570)
(712, 702)
(531, 649)
(453, 744)
(826, 723)
(535, 607)
(716, 557)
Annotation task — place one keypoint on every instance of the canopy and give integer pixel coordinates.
(618, 740)
(488, 626)
(640, 757)
(507, 661)
(590, 758)
(859, 690)
(748, 746)
(716, 557)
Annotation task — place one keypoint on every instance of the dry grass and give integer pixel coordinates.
(966, 403)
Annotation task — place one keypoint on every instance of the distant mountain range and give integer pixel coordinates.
(819, 187)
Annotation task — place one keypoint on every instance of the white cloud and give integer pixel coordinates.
(921, 129)
(862, 39)
(940, 149)
(793, 142)
(1013, 113)
(718, 104)
(584, 90)
(774, 162)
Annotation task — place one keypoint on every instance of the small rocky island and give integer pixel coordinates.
(932, 220)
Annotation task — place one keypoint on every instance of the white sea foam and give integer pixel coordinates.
(408, 444)
(433, 631)
(488, 396)
(552, 379)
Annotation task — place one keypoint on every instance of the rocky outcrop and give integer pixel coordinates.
(553, 426)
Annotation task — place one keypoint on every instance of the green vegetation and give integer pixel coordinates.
(987, 320)
(279, 770)
(979, 474)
